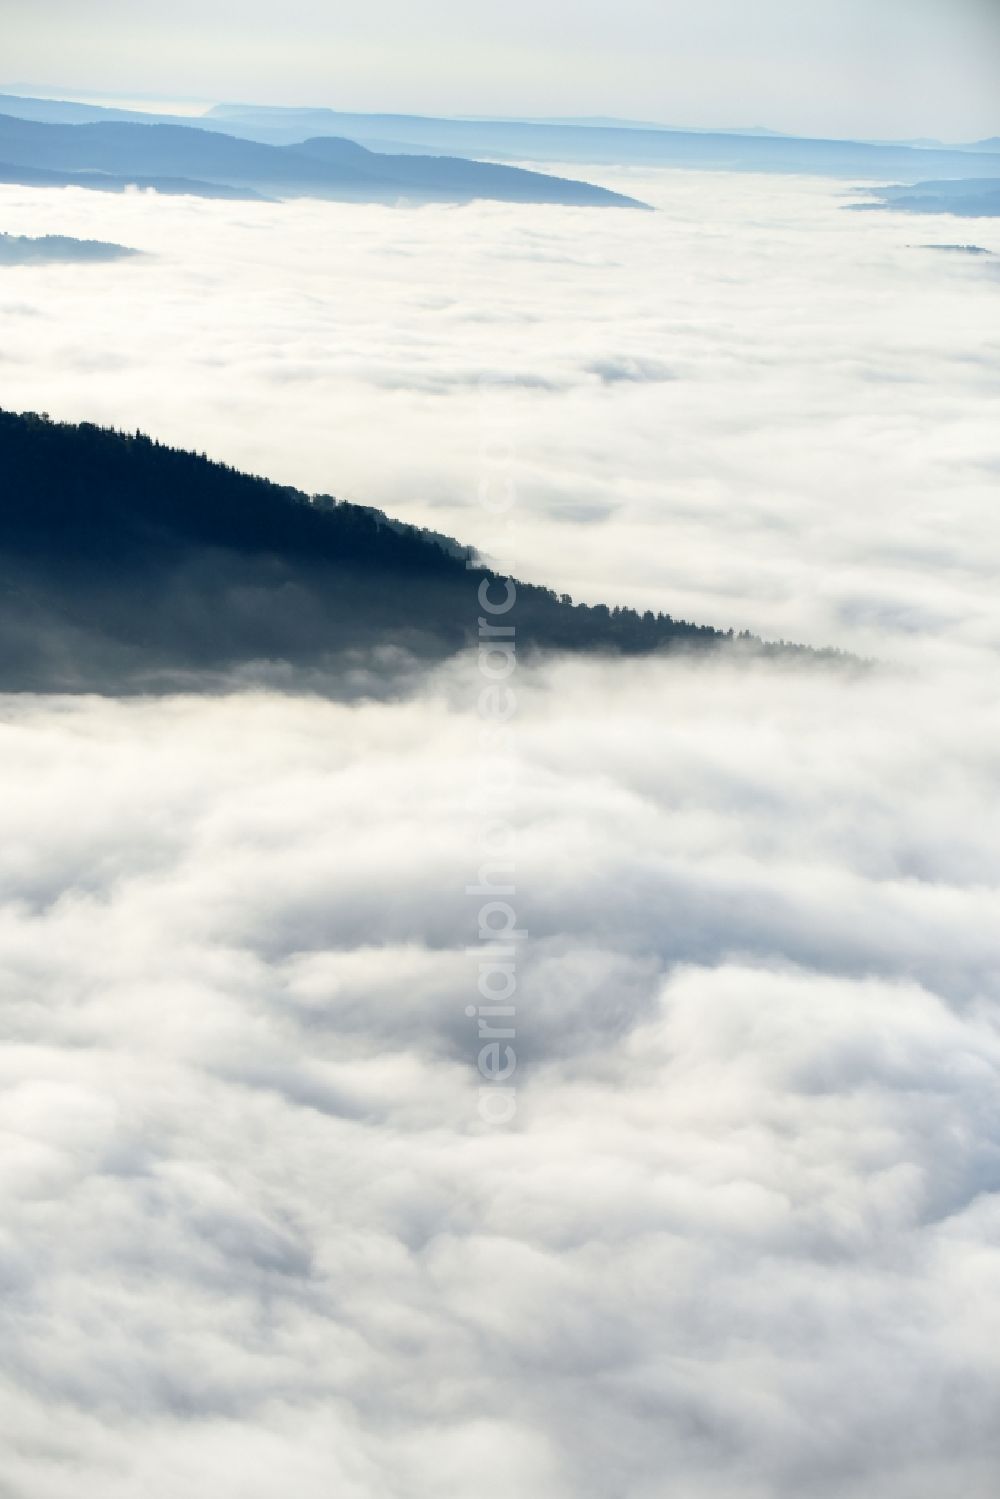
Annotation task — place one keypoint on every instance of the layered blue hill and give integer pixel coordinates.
(111, 153)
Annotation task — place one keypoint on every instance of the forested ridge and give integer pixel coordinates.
(125, 562)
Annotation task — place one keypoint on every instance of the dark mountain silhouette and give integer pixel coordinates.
(126, 565)
(20, 249)
(330, 168)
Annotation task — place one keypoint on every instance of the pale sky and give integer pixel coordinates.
(893, 68)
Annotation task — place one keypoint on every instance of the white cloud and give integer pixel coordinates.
(740, 1236)
(739, 1242)
(820, 465)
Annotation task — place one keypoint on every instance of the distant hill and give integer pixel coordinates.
(585, 141)
(965, 198)
(106, 182)
(70, 111)
(618, 144)
(19, 249)
(129, 566)
(959, 249)
(146, 153)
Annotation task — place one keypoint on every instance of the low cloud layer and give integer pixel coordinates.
(740, 1236)
(739, 1241)
(774, 414)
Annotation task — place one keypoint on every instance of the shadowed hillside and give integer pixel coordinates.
(127, 565)
(120, 150)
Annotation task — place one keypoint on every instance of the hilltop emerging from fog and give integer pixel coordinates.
(128, 565)
(547, 141)
(113, 154)
(22, 249)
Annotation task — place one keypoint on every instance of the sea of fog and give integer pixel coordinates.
(739, 1240)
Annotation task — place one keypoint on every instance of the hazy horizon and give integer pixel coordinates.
(193, 108)
(837, 68)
